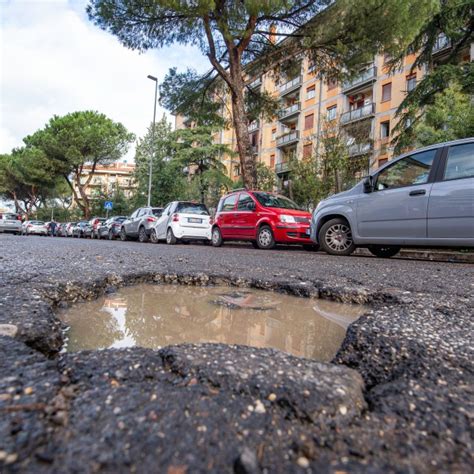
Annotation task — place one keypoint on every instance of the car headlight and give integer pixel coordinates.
(287, 219)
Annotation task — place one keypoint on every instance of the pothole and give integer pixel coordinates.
(154, 316)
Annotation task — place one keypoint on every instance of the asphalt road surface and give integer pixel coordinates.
(397, 397)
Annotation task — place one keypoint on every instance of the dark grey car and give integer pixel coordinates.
(139, 224)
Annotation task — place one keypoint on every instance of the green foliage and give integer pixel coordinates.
(168, 180)
(266, 180)
(450, 117)
(77, 139)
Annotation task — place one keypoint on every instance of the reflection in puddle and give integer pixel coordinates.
(159, 315)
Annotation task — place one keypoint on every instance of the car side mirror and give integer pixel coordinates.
(368, 184)
(251, 206)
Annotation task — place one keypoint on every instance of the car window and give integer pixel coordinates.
(411, 170)
(244, 200)
(157, 211)
(192, 208)
(166, 209)
(135, 214)
(460, 163)
(275, 200)
(12, 217)
(229, 203)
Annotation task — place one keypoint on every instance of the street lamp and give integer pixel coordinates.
(153, 78)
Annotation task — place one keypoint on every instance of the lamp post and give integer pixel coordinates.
(153, 78)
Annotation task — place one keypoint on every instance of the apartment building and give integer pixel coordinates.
(107, 177)
(365, 108)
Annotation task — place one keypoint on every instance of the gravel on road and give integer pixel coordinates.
(398, 397)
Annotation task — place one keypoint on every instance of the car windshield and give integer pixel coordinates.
(192, 208)
(157, 211)
(37, 222)
(13, 217)
(275, 200)
(119, 219)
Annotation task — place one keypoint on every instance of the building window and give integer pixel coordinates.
(272, 161)
(237, 170)
(332, 84)
(274, 131)
(331, 112)
(386, 92)
(307, 150)
(411, 82)
(310, 92)
(385, 129)
(309, 122)
(311, 67)
(382, 161)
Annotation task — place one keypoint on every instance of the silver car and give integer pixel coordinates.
(139, 224)
(10, 222)
(35, 228)
(423, 198)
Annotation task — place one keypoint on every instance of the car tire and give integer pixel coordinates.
(170, 237)
(265, 239)
(216, 237)
(335, 237)
(153, 236)
(311, 248)
(123, 235)
(111, 235)
(142, 237)
(92, 235)
(383, 251)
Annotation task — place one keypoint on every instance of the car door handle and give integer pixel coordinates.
(418, 192)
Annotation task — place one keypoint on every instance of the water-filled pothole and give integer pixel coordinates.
(158, 315)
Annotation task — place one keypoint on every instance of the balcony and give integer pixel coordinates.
(290, 86)
(359, 149)
(358, 114)
(254, 126)
(289, 112)
(255, 84)
(282, 167)
(366, 77)
(288, 138)
(441, 44)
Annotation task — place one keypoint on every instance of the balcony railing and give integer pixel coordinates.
(255, 125)
(288, 138)
(442, 42)
(368, 75)
(282, 167)
(289, 111)
(256, 83)
(360, 149)
(358, 114)
(290, 86)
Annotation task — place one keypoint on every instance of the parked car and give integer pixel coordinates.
(80, 228)
(422, 198)
(10, 222)
(265, 219)
(94, 224)
(139, 224)
(182, 221)
(35, 228)
(70, 229)
(110, 229)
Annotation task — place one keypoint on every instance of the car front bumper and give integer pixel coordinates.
(292, 234)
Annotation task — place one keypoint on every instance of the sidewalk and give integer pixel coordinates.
(438, 255)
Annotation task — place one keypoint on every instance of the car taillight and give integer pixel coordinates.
(30, 225)
(175, 218)
(150, 219)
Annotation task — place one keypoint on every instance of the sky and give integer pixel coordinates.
(53, 61)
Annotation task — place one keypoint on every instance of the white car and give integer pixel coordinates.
(182, 221)
(35, 228)
(10, 222)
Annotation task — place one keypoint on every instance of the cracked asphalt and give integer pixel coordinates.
(398, 397)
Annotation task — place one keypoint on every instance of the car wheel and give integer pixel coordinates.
(123, 235)
(265, 239)
(92, 235)
(383, 251)
(311, 248)
(216, 237)
(142, 237)
(335, 237)
(153, 236)
(170, 237)
(111, 235)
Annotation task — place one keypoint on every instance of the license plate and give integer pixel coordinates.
(308, 231)
(193, 220)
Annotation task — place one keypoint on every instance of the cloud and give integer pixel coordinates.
(54, 61)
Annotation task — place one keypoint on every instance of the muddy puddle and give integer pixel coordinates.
(159, 315)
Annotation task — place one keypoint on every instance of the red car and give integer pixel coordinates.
(265, 219)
